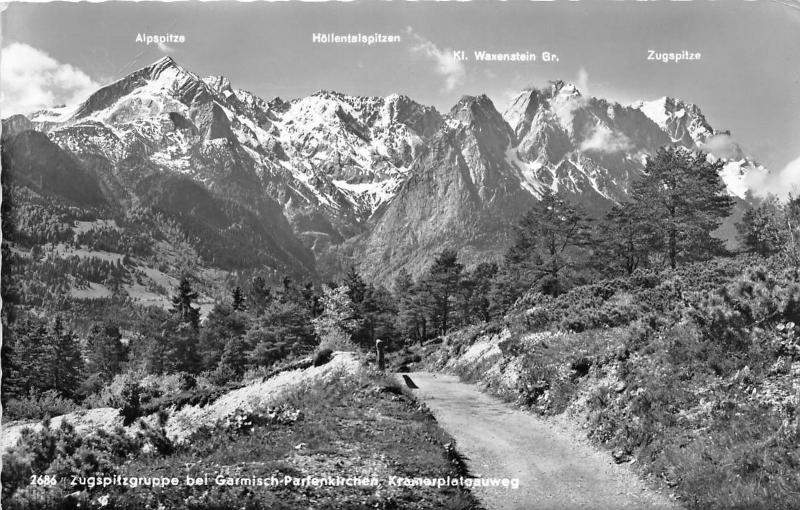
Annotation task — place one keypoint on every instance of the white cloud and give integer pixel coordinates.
(446, 65)
(583, 82)
(604, 140)
(780, 183)
(723, 146)
(31, 79)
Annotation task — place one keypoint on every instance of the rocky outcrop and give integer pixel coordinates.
(461, 194)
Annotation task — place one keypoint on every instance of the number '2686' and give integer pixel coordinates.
(43, 480)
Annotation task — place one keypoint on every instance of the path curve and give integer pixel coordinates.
(556, 471)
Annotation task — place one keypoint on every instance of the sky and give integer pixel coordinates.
(746, 81)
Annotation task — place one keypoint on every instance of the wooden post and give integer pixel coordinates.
(379, 348)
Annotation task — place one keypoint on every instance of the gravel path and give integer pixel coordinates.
(555, 469)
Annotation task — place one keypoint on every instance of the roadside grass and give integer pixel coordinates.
(360, 425)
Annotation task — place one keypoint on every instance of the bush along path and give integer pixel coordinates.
(553, 469)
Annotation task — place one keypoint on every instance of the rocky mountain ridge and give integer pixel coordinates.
(378, 182)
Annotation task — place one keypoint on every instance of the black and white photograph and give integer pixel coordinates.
(410, 255)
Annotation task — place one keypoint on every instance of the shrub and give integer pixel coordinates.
(63, 453)
(36, 406)
(322, 356)
(337, 341)
(131, 402)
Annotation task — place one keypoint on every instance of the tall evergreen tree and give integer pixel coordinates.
(356, 286)
(683, 200)
(65, 364)
(762, 228)
(234, 357)
(478, 304)
(625, 239)
(221, 324)
(237, 299)
(260, 295)
(410, 316)
(182, 346)
(183, 303)
(546, 243)
(443, 280)
(290, 323)
(104, 352)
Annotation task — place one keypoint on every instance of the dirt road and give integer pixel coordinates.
(555, 470)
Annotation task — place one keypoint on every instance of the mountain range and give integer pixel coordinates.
(316, 184)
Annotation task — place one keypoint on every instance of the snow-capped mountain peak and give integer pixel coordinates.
(338, 164)
(684, 122)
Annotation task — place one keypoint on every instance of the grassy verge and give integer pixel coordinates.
(359, 426)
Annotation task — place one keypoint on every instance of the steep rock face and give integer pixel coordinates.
(14, 125)
(461, 194)
(585, 147)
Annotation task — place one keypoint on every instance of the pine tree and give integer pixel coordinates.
(221, 324)
(682, 200)
(356, 287)
(311, 299)
(479, 305)
(761, 229)
(17, 369)
(182, 347)
(104, 351)
(148, 349)
(237, 298)
(624, 239)
(442, 282)
(546, 243)
(291, 323)
(66, 363)
(410, 317)
(183, 301)
(234, 357)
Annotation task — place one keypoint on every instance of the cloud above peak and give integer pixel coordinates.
(583, 81)
(602, 139)
(446, 65)
(30, 80)
(781, 183)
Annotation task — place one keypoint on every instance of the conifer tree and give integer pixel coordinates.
(237, 298)
(545, 243)
(104, 351)
(234, 357)
(183, 303)
(409, 316)
(682, 200)
(442, 282)
(624, 239)
(761, 229)
(356, 287)
(66, 364)
(260, 295)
